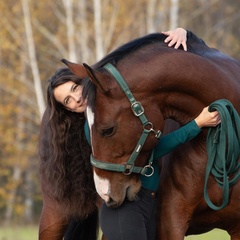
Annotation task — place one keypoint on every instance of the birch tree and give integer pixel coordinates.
(174, 14)
(98, 29)
(82, 35)
(150, 18)
(68, 5)
(33, 58)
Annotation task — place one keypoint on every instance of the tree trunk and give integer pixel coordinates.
(70, 30)
(81, 36)
(12, 194)
(174, 14)
(28, 201)
(151, 6)
(98, 29)
(33, 59)
(161, 16)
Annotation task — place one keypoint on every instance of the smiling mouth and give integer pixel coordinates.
(81, 103)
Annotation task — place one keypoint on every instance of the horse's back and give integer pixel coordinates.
(199, 47)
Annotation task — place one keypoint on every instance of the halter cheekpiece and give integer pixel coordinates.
(138, 111)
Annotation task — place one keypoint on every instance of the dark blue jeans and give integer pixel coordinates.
(132, 220)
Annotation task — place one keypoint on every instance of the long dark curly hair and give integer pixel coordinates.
(65, 170)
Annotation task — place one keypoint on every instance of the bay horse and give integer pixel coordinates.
(169, 84)
(69, 196)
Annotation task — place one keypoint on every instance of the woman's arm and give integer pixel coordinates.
(169, 142)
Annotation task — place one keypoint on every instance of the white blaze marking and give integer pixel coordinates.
(90, 119)
(102, 186)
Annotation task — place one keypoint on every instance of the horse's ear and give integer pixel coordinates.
(97, 78)
(84, 70)
(78, 69)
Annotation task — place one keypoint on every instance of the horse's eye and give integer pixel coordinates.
(107, 132)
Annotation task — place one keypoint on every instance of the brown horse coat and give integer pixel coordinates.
(170, 84)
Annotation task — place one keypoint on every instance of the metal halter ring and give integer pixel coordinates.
(128, 169)
(145, 170)
(150, 128)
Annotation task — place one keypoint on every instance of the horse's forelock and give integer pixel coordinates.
(89, 91)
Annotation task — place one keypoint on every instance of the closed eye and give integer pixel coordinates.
(107, 132)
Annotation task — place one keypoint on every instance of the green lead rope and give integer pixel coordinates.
(223, 148)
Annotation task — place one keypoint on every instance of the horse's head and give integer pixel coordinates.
(117, 154)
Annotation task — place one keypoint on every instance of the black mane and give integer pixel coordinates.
(130, 47)
(194, 45)
(116, 55)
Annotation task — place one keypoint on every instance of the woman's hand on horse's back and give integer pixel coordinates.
(208, 119)
(178, 37)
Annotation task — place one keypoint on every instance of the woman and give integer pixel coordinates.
(137, 219)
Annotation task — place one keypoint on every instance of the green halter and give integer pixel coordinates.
(138, 111)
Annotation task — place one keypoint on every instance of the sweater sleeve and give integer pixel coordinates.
(171, 141)
(197, 46)
(87, 132)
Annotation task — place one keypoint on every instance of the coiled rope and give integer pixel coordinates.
(223, 148)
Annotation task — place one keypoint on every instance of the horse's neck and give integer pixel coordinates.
(182, 83)
(186, 83)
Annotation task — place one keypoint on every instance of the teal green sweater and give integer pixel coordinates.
(165, 145)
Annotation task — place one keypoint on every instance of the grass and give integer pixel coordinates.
(31, 233)
(214, 234)
(19, 233)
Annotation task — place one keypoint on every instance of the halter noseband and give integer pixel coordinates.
(138, 111)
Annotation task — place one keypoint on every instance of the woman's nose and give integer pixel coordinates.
(78, 100)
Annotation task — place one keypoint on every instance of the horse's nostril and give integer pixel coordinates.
(111, 203)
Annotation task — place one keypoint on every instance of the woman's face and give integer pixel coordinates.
(69, 94)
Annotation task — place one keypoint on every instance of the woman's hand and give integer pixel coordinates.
(178, 37)
(208, 119)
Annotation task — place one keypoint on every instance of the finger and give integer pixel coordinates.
(215, 113)
(170, 44)
(177, 45)
(168, 39)
(184, 46)
(165, 33)
(173, 41)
